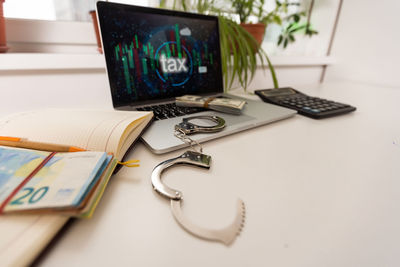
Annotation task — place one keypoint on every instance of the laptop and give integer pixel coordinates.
(154, 55)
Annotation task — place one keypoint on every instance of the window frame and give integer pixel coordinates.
(57, 45)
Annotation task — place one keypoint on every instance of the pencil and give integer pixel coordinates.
(24, 143)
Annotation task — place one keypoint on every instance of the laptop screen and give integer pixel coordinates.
(154, 54)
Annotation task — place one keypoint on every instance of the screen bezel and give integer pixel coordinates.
(107, 7)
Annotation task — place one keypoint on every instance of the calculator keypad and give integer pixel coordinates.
(313, 107)
(311, 104)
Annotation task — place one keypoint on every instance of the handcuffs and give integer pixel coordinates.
(190, 128)
(225, 235)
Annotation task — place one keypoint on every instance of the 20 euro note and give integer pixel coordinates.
(62, 183)
(222, 104)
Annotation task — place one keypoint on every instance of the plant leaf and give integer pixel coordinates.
(277, 20)
(280, 39)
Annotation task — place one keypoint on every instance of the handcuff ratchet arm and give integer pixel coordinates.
(189, 157)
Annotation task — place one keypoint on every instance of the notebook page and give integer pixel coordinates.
(131, 132)
(98, 130)
(23, 237)
(119, 129)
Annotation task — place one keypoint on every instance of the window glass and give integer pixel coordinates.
(70, 10)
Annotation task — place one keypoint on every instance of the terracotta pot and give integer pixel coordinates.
(3, 42)
(96, 30)
(257, 30)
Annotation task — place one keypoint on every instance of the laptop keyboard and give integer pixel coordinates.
(170, 110)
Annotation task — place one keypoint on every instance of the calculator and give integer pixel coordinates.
(313, 107)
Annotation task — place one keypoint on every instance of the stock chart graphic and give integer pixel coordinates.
(152, 56)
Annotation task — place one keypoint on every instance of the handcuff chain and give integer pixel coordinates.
(183, 129)
(187, 140)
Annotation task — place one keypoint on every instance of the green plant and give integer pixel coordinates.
(295, 26)
(247, 9)
(240, 52)
(256, 9)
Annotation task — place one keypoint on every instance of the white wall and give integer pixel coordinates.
(27, 90)
(367, 43)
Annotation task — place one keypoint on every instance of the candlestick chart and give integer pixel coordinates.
(164, 61)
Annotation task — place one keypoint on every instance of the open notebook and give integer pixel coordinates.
(96, 130)
(23, 237)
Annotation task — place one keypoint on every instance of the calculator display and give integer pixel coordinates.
(278, 92)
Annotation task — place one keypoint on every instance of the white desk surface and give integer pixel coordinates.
(317, 193)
